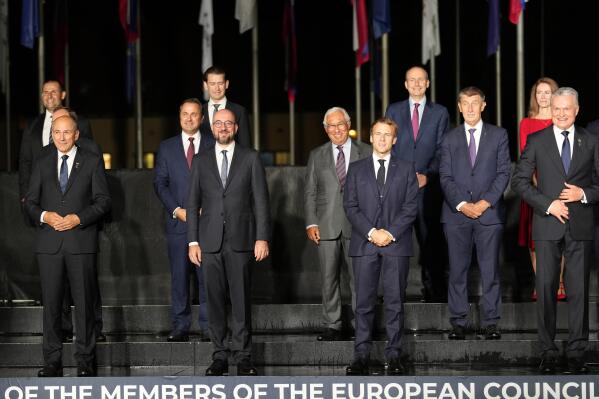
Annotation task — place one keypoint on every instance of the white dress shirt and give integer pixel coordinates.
(222, 104)
(70, 162)
(196, 141)
(47, 129)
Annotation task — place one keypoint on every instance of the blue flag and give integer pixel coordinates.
(381, 17)
(30, 22)
(493, 33)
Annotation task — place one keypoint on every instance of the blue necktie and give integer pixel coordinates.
(64, 173)
(566, 158)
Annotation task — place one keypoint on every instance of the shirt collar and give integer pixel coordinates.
(558, 131)
(478, 126)
(71, 153)
(344, 145)
(196, 136)
(48, 114)
(230, 148)
(223, 102)
(421, 102)
(386, 158)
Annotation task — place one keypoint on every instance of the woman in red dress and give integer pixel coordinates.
(539, 117)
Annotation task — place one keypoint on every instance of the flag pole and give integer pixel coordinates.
(255, 96)
(520, 72)
(358, 102)
(385, 80)
(41, 50)
(498, 85)
(138, 108)
(458, 81)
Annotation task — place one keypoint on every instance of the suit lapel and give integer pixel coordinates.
(424, 120)
(552, 150)
(484, 138)
(214, 167)
(408, 118)
(77, 165)
(181, 156)
(391, 173)
(580, 141)
(234, 165)
(463, 144)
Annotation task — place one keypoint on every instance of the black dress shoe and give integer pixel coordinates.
(491, 332)
(85, 370)
(246, 368)
(177, 336)
(547, 365)
(217, 368)
(576, 366)
(457, 332)
(395, 367)
(357, 367)
(50, 370)
(330, 334)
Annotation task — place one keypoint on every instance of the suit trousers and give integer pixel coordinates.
(67, 316)
(181, 268)
(394, 270)
(577, 256)
(461, 240)
(332, 254)
(81, 271)
(227, 274)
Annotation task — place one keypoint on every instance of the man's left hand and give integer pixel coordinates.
(422, 179)
(482, 206)
(571, 193)
(261, 250)
(67, 223)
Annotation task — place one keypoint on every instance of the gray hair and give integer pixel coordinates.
(333, 110)
(566, 91)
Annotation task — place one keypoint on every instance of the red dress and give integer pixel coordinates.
(527, 127)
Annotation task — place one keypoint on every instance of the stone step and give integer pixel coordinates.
(295, 350)
(287, 318)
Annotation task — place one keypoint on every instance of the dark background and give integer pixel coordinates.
(560, 42)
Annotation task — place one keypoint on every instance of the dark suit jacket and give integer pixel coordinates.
(86, 196)
(487, 180)
(31, 146)
(171, 178)
(424, 153)
(323, 197)
(541, 154)
(395, 211)
(240, 210)
(243, 135)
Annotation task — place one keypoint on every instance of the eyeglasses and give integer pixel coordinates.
(219, 124)
(340, 126)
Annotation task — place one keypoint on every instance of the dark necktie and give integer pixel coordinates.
(566, 157)
(472, 147)
(50, 139)
(224, 167)
(415, 121)
(380, 175)
(214, 111)
(340, 166)
(191, 150)
(64, 174)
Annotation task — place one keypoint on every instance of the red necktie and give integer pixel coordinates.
(415, 121)
(191, 150)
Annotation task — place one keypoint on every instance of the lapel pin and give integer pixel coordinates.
(76, 165)
(579, 141)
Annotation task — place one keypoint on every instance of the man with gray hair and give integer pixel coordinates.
(564, 157)
(326, 223)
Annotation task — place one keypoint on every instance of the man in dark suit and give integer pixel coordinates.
(216, 85)
(565, 157)
(228, 217)
(474, 172)
(68, 195)
(421, 126)
(380, 203)
(326, 223)
(37, 135)
(171, 183)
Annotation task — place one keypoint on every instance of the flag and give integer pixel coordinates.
(3, 45)
(128, 17)
(381, 17)
(431, 42)
(60, 39)
(516, 7)
(206, 20)
(360, 32)
(30, 22)
(493, 32)
(245, 13)
(290, 49)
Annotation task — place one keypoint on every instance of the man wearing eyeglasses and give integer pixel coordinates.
(228, 218)
(326, 223)
(216, 84)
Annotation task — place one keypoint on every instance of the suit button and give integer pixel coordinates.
(222, 214)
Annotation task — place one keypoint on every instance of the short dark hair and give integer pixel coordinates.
(386, 121)
(192, 100)
(214, 70)
(471, 91)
